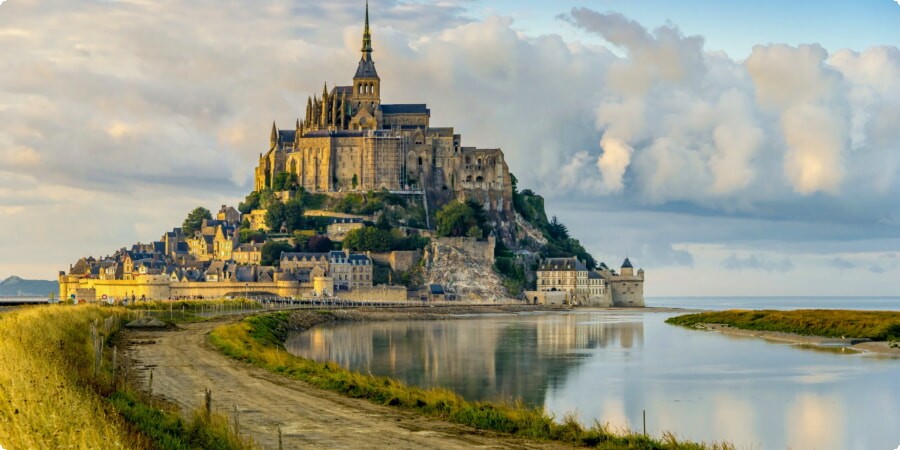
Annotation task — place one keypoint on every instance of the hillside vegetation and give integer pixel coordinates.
(875, 325)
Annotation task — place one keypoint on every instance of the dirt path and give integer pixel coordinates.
(184, 364)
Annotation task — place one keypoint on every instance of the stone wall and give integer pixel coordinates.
(376, 294)
(399, 260)
(627, 291)
(547, 297)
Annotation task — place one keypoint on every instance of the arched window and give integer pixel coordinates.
(479, 179)
(469, 178)
(420, 161)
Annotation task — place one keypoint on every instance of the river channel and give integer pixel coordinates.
(611, 366)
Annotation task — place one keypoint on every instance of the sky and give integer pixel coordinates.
(728, 148)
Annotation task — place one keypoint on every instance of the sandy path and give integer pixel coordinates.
(184, 364)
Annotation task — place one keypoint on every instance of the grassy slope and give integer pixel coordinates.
(875, 325)
(51, 398)
(258, 340)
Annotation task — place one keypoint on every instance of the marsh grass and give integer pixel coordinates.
(55, 392)
(259, 340)
(875, 325)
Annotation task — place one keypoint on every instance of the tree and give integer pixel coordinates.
(289, 215)
(250, 203)
(194, 220)
(474, 232)
(284, 181)
(557, 230)
(271, 252)
(247, 235)
(456, 219)
(382, 222)
(368, 239)
(319, 244)
(355, 181)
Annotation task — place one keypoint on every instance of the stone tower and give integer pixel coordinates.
(627, 268)
(366, 83)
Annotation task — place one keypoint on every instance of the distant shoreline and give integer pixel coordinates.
(879, 347)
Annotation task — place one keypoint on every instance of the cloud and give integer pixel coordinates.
(757, 262)
(706, 129)
(842, 263)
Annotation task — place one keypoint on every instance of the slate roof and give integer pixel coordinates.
(287, 135)
(627, 264)
(436, 289)
(366, 69)
(406, 109)
(564, 264)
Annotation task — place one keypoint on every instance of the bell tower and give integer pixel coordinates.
(366, 84)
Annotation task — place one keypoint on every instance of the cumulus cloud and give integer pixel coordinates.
(757, 262)
(707, 129)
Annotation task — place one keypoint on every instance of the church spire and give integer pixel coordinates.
(367, 37)
(273, 139)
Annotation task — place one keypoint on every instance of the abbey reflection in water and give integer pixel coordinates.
(505, 358)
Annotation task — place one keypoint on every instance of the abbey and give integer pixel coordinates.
(350, 141)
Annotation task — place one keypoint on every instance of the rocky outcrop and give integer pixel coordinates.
(464, 267)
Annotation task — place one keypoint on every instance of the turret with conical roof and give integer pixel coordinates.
(627, 268)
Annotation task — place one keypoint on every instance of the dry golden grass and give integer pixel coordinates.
(45, 358)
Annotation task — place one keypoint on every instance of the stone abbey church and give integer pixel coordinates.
(350, 141)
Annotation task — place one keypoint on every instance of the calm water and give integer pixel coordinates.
(610, 366)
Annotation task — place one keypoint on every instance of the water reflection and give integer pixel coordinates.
(489, 358)
(611, 367)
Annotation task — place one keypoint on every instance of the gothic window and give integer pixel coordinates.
(479, 179)
(469, 178)
(420, 161)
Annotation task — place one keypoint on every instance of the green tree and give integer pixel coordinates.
(474, 232)
(284, 181)
(382, 222)
(247, 235)
(368, 239)
(288, 215)
(271, 252)
(355, 181)
(250, 203)
(194, 220)
(457, 218)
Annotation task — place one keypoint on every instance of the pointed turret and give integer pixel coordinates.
(334, 110)
(273, 139)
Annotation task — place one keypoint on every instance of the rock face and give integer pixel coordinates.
(464, 266)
